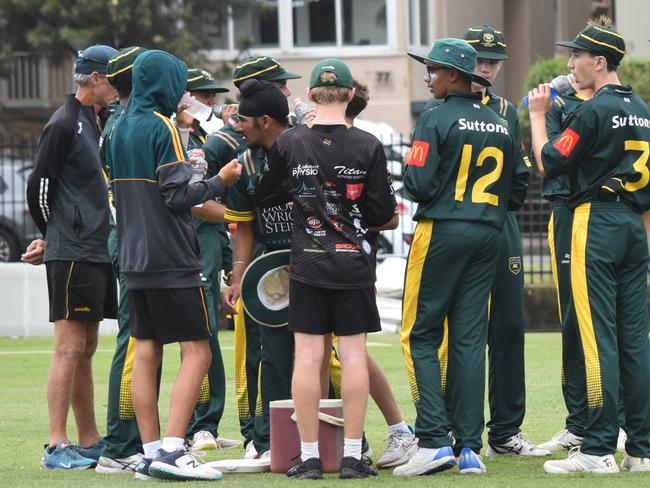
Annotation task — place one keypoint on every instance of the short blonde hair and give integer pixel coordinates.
(602, 20)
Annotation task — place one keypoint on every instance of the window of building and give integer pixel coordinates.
(286, 27)
(420, 23)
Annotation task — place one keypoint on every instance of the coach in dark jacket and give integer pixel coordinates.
(68, 199)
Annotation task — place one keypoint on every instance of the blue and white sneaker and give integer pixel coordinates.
(65, 456)
(142, 470)
(92, 452)
(182, 465)
(470, 463)
(422, 462)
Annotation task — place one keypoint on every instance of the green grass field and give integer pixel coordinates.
(23, 419)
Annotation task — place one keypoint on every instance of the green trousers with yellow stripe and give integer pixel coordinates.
(574, 388)
(212, 397)
(609, 257)
(506, 377)
(122, 434)
(248, 351)
(449, 273)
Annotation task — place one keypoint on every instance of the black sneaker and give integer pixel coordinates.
(355, 468)
(142, 470)
(311, 469)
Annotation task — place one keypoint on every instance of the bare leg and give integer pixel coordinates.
(382, 394)
(83, 394)
(354, 387)
(144, 391)
(305, 385)
(196, 357)
(69, 346)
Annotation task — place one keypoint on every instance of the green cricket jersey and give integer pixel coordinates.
(559, 188)
(604, 148)
(273, 224)
(222, 147)
(462, 162)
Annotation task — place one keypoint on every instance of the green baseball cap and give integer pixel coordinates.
(331, 65)
(93, 58)
(600, 40)
(265, 288)
(261, 68)
(488, 42)
(453, 53)
(119, 68)
(200, 80)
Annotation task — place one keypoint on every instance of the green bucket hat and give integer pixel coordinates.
(119, 68)
(261, 68)
(488, 42)
(200, 80)
(600, 40)
(453, 53)
(265, 288)
(331, 65)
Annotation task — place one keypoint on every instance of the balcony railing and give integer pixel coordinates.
(34, 81)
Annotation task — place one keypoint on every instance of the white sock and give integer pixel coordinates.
(171, 444)
(352, 448)
(151, 448)
(309, 450)
(399, 428)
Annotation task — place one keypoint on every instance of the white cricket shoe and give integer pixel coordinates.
(517, 445)
(622, 439)
(182, 466)
(635, 464)
(578, 462)
(400, 447)
(562, 441)
(250, 452)
(106, 465)
(206, 441)
(424, 463)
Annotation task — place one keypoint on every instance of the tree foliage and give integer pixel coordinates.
(634, 72)
(59, 28)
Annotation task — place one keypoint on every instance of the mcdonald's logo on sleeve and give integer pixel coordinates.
(418, 154)
(567, 142)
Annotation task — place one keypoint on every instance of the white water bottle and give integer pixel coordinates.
(199, 164)
(198, 110)
(301, 110)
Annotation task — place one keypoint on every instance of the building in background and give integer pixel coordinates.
(372, 36)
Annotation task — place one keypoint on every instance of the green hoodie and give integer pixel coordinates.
(150, 180)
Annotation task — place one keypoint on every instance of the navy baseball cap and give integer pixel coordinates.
(94, 58)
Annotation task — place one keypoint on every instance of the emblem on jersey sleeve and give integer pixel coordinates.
(567, 142)
(514, 264)
(418, 154)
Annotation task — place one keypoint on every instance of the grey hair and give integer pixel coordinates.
(82, 79)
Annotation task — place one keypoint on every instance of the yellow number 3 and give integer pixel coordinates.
(640, 165)
(479, 195)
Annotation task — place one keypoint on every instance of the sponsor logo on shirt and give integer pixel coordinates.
(331, 209)
(567, 142)
(338, 227)
(329, 189)
(418, 153)
(353, 191)
(350, 173)
(346, 247)
(629, 121)
(314, 222)
(304, 170)
(481, 126)
(306, 191)
(277, 219)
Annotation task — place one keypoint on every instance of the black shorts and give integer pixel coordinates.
(314, 310)
(169, 314)
(81, 291)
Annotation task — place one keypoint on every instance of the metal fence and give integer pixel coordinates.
(17, 229)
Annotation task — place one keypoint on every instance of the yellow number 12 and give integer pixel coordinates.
(479, 195)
